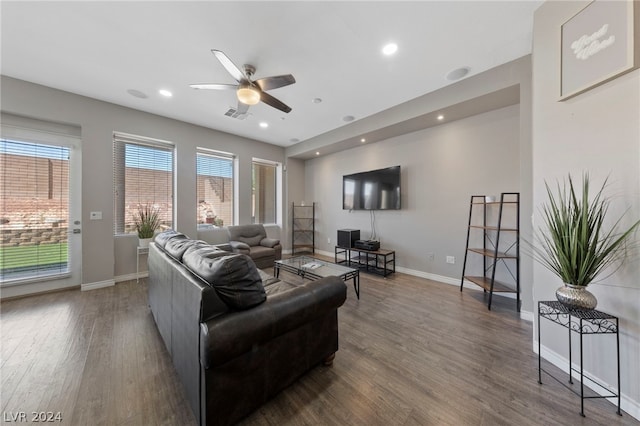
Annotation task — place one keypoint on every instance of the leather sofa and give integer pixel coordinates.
(252, 240)
(236, 335)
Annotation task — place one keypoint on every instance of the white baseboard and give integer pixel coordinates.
(630, 406)
(524, 315)
(129, 277)
(97, 285)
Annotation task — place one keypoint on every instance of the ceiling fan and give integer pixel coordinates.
(248, 91)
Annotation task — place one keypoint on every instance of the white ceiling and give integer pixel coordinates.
(103, 49)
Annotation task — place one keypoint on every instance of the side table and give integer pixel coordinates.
(582, 322)
(140, 251)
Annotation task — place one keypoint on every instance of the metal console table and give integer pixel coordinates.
(582, 322)
(381, 261)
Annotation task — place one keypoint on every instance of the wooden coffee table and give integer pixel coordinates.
(314, 269)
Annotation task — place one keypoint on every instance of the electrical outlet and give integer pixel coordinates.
(431, 256)
(328, 240)
(451, 259)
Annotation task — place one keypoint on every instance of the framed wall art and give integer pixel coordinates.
(597, 44)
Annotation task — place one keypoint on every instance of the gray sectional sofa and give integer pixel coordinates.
(236, 335)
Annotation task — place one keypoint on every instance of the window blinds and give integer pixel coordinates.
(34, 188)
(143, 175)
(214, 186)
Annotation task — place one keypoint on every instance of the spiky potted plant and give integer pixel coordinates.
(576, 242)
(146, 220)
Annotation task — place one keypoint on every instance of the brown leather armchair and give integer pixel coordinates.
(252, 240)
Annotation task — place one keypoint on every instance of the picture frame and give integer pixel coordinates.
(599, 43)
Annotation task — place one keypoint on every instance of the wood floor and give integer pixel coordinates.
(412, 352)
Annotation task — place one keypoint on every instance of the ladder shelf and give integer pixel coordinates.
(497, 240)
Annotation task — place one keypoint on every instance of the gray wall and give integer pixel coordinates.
(295, 193)
(441, 168)
(428, 202)
(105, 256)
(597, 132)
(323, 174)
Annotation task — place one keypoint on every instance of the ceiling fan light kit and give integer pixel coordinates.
(248, 91)
(248, 95)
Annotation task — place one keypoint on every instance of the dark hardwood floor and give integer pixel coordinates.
(412, 352)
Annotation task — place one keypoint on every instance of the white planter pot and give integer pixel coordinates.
(144, 242)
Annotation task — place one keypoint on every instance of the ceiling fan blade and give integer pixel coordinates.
(276, 81)
(229, 66)
(271, 101)
(209, 86)
(242, 108)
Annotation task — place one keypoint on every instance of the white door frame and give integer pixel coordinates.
(74, 277)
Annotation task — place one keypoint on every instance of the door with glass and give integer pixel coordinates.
(40, 218)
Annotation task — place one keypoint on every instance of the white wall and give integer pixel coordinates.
(105, 256)
(596, 132)
(441, 168)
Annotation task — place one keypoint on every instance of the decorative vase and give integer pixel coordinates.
(144, 242)
(576, 297)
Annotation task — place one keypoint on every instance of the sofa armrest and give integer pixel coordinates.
(269, 242)
(226, 337)
(224, 246)
(239, 247)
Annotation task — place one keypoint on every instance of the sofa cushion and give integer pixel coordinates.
(162, 238)
(234, 277)
(176, 247)
(204, 249)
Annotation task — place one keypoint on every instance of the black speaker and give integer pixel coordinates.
(348, 237)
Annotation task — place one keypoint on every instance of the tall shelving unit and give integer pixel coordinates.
(303, 227)
(500, 243)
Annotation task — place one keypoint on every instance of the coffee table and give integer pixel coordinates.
(314, 269)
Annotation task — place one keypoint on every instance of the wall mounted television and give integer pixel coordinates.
(372, 190)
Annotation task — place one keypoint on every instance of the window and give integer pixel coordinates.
(264, 197)
(34, 187)
(143, 175)
(214, 186)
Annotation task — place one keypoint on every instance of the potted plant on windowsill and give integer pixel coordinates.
(146, 220)
(576, 243)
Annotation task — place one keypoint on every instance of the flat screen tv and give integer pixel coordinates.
(372, 190)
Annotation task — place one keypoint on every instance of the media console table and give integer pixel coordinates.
(581, 322)
(381, 261)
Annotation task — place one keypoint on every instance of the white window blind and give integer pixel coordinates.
(143, 175)
(264, 197)
(214, 186)
(34, 188)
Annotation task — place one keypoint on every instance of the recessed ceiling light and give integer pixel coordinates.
(348, 118)
(458, 73)
(264, 124)
(165, 93)
(441, 117)
(317, 152)
(316, 100)
(363, 140)
(390, 49)
(137, 93)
